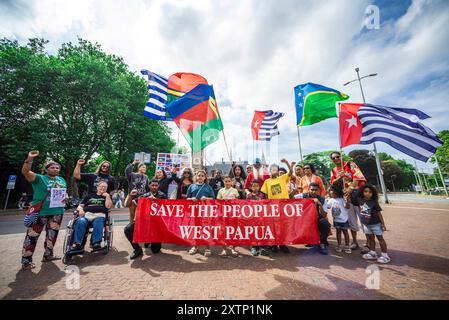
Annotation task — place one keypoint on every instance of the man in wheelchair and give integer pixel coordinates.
(93, 210)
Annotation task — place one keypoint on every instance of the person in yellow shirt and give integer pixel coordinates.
(276, 188)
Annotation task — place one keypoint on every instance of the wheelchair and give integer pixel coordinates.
(70, 232)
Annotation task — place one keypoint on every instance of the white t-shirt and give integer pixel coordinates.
(336, 207)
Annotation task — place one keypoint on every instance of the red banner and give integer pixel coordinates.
(226, 222)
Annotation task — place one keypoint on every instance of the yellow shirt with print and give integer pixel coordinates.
(276, 188)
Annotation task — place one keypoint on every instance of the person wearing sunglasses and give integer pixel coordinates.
(348, 176)
(184, 183)
(310, 177)
(103, 173)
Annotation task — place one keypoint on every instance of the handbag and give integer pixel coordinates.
(33, 212)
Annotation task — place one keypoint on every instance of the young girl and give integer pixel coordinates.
(200, 190)
(255, 194)
(339, 207)
(226, 193)
(367, 199)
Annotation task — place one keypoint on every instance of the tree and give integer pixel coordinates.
(322, 162)
(79, 103)
(393, 175)
(442, 152)
(367, 164)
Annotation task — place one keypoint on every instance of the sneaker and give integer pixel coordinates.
(274, 248)
(384, 259)
(264, 252)
(338, 249)
(348, 250)
(222, 254)
(255, 252)
(364, 250)
(323, 249)
(284, 249)
(96, 246)
(370, 256)
(354, 246)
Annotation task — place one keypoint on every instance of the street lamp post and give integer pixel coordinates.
(379, 168)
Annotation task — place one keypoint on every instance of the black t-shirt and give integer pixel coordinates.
(95, 203)
(307, 195)
(92, 180)
(216, 184)
(369, 210)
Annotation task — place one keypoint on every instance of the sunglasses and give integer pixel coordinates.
(313, 190)
(337, 157)
(305, 168)
(105, 166)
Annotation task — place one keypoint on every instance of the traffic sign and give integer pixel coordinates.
(11, 182)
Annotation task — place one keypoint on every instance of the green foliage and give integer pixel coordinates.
(80, 103)
(322, 162)
(443, 152)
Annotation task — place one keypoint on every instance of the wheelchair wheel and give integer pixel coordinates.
(109, 235)
(68, 238)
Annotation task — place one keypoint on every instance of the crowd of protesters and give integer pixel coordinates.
(345, 202)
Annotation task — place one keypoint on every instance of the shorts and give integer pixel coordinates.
(341, 225)
(375, 229)
(353, 218)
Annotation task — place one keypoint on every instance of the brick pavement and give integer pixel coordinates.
(416, 238)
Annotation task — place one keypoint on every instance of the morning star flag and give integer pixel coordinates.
(400, 128)
(196, 115)
(315, 103)
(157, 96)
(182, 82)
(265, 124)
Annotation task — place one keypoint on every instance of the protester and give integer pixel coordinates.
(217, 182)
(165, 181)
(339, 207)
(275, 187)
(349, 177)
(184, 183)
(136, 181)
(200, 190)
(47, 189)
(154, 193)
(324, 226)
(238, 176)
(103, 173)
(94, 209)
(228, 193)
(23, 201)
(258, 172)
(255, 194)
(309, 177)
(367, 200)
(249, 169)
(122, 197)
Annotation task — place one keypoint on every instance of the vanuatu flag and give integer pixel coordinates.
(182, 82)
(196, 115)
(315, 103)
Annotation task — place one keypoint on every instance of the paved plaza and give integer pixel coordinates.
(417, 236)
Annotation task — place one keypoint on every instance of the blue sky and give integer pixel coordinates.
(255, 52)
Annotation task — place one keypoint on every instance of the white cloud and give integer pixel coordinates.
(255, 52)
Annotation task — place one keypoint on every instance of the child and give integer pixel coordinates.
(339, 206)
(255, 194)
(372, 222)
(228, 193)
(200, 190)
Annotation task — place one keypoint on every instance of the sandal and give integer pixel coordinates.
(193, 250)
(348, 249)
(50, 258)
(222, 254)
(354, 246)
(369, 256)
(338, 249)
(207, 253)
(234, 253)
(28, 266)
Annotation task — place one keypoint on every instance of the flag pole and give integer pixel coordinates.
(226, 145)
(441, 176)
(339, 142)
(299, 143)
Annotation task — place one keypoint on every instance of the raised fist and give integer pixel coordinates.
(81, 162)
(33, 154)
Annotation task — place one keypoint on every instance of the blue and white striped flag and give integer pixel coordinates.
(265, 124)
(157, 96)
(400, 128)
